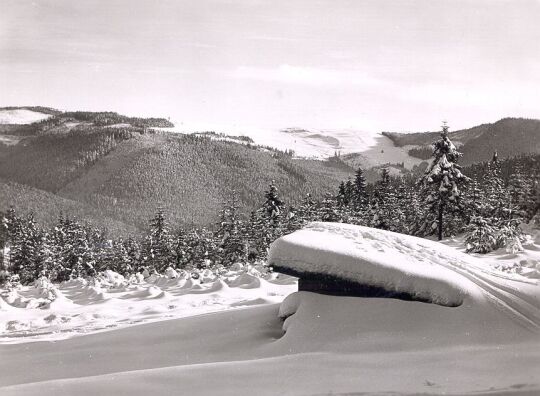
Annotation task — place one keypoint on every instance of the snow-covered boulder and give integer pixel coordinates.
(344, 259)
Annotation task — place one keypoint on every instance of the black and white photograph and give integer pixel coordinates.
(269, 197)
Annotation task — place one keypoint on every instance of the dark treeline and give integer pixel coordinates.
(98, 119)
(105, 118)
(487, 202)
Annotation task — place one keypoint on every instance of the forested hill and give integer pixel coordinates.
(117, 176)
(509, 137)
(57, 121)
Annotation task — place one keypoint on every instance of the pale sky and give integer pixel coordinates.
(372, 65)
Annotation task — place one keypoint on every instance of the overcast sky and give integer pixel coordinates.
(371, 65)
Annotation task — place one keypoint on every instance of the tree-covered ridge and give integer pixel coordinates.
(105, 118)
(38, 109)
(125, 174)
(50, 161)
(509, 136)
(60, 122)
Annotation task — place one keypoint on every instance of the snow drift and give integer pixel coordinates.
(402, 265)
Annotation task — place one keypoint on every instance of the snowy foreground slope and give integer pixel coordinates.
(315, 344)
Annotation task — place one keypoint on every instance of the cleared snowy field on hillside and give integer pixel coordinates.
(311, 344)
(21, 116)
(375, 148)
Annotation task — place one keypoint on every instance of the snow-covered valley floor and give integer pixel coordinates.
(311, 344)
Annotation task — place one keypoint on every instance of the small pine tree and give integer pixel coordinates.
(328, 210)
(342, 198)
(230, 232)
(273, 206)
(480, 236)
(497, 199)
(157, 246)
(440, 184)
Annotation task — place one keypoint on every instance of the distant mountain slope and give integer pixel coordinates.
(509, 137)
(124, 173)
(47, 207)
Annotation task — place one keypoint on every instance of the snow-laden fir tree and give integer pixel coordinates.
(121, 261)
(8, 225)
(273, 205)
(157, 245)
(230, 234)
(272, 215)
(342, 198)
(473, 199)
(349, 191)
(523, 190)
(412, 210)
(533, 200)
(328, 210)
(23, 248)
(497, 201)
(441, 185)
(304, 213)
(360, 192)
(384, 204)
(480, 235)
(204, 248)
(79, 253)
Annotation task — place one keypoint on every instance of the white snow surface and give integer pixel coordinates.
(21, 116)
(425, 269)
(317, 143)
(48, 311)
(311, 344)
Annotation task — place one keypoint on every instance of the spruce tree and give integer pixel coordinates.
(342, 195)
(328, 210)
(480, 236)
(23, 249)
(384, 203)
(232, 246)
(440, 184)
(349, 192)
(497, 198)
(273, 205)
(10, 229)
(360, 192)
(157, 247)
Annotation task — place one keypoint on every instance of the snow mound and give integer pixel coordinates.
(395, 263)
(403, 265)
(245, 281)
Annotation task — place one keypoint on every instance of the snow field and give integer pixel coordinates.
(47, 311)
(21, 116)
